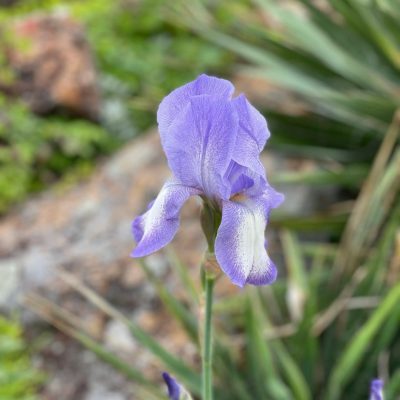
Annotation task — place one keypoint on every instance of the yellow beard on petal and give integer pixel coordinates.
(239, 197)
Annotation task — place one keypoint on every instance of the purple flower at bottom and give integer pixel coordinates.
(175, 390)
(213, 142)
(173, 387)
(376, 390)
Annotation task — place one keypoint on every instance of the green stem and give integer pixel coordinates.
(207, 389)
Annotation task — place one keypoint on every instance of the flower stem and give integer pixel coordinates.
(207, 387)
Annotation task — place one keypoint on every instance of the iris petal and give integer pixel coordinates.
(200, 144)
(252, 135)
(239, 246)
(158, 226)
(177, 100)
(244, 180)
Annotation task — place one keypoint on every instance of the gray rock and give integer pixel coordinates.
(118, 338)
(10, 274)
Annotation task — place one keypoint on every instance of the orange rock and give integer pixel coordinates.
(53, 65)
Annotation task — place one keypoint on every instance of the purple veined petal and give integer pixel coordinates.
(200, 144)
(159, 224)
(270, 198)
(239, 178)
(174, 390)
(240, 244)
(244, 180)
(376, 390)
(177, 100)
(252, 135)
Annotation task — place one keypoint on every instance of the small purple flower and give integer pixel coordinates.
(212, 142)
(175, 390)
(376, 390)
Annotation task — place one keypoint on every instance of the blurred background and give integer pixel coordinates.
(80, 83)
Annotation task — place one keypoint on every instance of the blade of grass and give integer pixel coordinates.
(297, 285)
(354, 352)
(175, 307)
(310, 38)
(315, 223)
(266, 382)
(293, 373)
(326, 317)
(301, 300)
(392, 388)
(184, 276)
(349, 251)
(289, 369)
(351, 176)
(61, 319)
(174, 365)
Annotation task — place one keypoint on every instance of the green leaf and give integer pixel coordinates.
(311, 38)
(183, 315)
(262, 372)
(358, 347)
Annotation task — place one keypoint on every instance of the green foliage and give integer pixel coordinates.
(140, 57)
(35, 152)
(146, 56)
(320, 331)
(18, 379)
(340, 61)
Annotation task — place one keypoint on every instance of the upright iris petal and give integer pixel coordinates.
(200, 143)
(212, 143)
(176, 101)
(253, 133)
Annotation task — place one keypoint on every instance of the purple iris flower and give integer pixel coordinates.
(212, 142)
(376, 390)
(175, 390)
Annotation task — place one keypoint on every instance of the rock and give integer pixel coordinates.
(76, 374)
(9, 283)
(118, 338)
(53, 65)
(100, 392)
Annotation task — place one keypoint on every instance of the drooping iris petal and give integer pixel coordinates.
(200, 143)
(252, 135)
(173, 104)
(158, 226)
(376, 390)
(239, 246)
